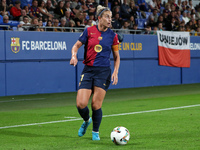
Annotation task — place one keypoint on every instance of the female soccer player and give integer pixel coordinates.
(99, 41)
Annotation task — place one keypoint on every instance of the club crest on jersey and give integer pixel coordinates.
(15, 45)
(100, 38)
(98, 48)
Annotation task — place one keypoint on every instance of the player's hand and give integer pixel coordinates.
(74, 61)
(114, 78)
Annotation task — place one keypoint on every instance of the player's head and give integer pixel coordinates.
(104, 16)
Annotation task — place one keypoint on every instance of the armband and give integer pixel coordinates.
(115, 48)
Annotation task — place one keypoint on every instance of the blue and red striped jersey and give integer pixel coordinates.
(98, 46)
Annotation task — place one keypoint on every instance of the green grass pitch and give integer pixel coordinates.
(158, 118)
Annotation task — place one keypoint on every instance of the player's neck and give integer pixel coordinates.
(102, 28)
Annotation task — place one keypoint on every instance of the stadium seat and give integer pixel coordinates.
(148, 14)
(141, 23)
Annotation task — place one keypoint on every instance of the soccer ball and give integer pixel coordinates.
(120, 135)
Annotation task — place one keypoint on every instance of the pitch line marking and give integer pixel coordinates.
(18, 100)
(113, 115)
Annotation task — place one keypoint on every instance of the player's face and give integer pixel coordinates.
(106, 19)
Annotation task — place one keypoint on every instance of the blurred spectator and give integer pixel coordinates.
(4, 8)
(125, 10)
(155, 29)
(197, 33)
(114, 4)
(135, 27)
(34, 24)
(160, 6)
(91, 17)
(27, 10)
(15, 11)
(173, 3)
(63, 24)
(26, 3)
(89, 23)
(131, 22)
(147, 30)
(71, 24)
(23, 13)
(24, 22)
(67, 17)
(161, 20)
(153, 5)
(179, 5)
(165, 16)
(91, 7)
(171, 15)
(185, 18)
(6, 22)
(198, 23)
(40, 26)
(172, 26)
(134, 8)
(49, 7)
(49, 24)
(143, 5)
(168, 8)
(160, 26)
(43, 11)
(67, 8)
(153, 16)
(181, 28)
(198, 13)
(190, 4)
(183, 6)
(79, 20)
(125, 29)
(34, 10)
(116, 22)
(173, 7)
(56, 24)
(74, 4)
(59, 11)
(116, 10)
(179, 16)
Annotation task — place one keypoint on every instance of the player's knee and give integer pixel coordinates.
(81, 104)
(96, 106)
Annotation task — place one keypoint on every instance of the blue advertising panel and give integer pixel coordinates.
(2, 51)
(194, 46)
(192, 74)
(149, 73)
(39, 45)
(148, 46)
(2, 79)
(39, 77)
(126, 75)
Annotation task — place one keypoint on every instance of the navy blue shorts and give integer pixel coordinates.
(95, 76)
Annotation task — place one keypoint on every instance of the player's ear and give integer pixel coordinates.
(99, 17)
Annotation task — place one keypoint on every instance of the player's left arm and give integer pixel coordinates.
(116, 56)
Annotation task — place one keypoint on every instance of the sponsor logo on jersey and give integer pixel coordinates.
(98, 48)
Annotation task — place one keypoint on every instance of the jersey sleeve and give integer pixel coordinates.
(115, 43)
(84, 36)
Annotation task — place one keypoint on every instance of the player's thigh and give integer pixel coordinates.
(98, 97)
(83, 97)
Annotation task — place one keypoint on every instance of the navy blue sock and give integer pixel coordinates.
(96, 118)
(84, 113)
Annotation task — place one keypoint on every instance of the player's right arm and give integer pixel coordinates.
(74, 51)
